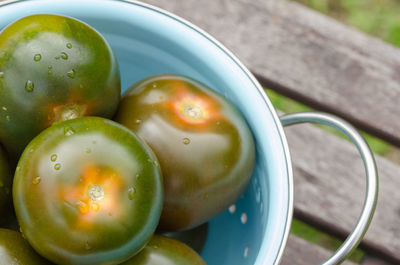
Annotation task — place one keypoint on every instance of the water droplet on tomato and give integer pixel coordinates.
(71, 74)
(95, 207)
(69, 45)
(57, 166)
(53, 157)
(68, 131)
(49, 67)
(138, 121)
(37, 57)
(8, 118)
(36, 180)
(29, 85)
(64, 56)
(131, 193)
(186, 141)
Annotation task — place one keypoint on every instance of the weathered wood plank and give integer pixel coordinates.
(373, 261)
(330, 187)
(308, 56)
(301, 252)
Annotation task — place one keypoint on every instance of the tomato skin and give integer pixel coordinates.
(5, 183)
(15, 250)
(205, 147)
(52, 68)
(87, 191)
(162, 250)
(195, 238)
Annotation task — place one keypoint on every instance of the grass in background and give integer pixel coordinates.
(317, 237)
(380, 18)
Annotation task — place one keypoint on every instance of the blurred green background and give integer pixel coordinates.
(379, 18)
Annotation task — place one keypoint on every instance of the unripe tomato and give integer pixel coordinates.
(162, 250)
(52, 68)
(195, 238)
(87, 191)
(5, 183)
(16, 251)
(204, 146)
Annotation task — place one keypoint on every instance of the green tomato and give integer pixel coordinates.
(204, 146)
(5, 183)
(195, 238)
(14, 250)
(166, 251)
(52, 68)
(87, 191)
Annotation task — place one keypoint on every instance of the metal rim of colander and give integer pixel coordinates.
(260, 91)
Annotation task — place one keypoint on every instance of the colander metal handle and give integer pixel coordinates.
(371, 194)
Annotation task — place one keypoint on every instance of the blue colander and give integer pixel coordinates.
(149, 41)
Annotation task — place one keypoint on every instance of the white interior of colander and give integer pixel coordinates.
(148, 42)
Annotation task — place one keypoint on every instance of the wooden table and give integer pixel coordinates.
(329, 67)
